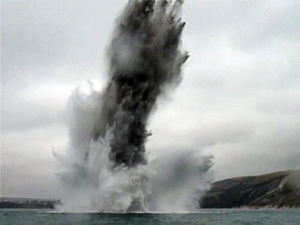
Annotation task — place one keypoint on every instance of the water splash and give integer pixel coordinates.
(180, 181)
(105, 168)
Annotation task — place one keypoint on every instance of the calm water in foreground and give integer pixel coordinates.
(274, 217)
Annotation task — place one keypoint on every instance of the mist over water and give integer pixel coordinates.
(106, 168)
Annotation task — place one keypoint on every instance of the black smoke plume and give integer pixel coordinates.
(145, 58)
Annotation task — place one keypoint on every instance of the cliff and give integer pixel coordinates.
(280, 189)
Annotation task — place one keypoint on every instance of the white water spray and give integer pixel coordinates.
(105, 168)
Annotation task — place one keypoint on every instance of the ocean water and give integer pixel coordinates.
(213, 217)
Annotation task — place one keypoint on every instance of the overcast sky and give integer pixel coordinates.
(239, 99)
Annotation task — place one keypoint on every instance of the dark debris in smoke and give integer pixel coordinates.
(145, 57)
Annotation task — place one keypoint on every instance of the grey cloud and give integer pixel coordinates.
(273, 145)
(216, 16)
(43, 35)
(29, 40)
(253, 25)
(288, 105)
(26, 182)
(27, 164)
(271, 24)
(40, 39)
(239, 96)
(23, 115)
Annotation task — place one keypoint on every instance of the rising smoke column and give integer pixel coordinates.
(145, 58)
(105, 168)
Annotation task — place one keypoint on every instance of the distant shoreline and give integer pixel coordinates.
(27, 203)
(268, 191)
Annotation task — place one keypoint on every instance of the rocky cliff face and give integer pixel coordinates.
(280, 189)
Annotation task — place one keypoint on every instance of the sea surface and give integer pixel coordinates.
(224, 217)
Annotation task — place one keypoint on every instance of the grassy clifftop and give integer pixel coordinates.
(280, 189)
